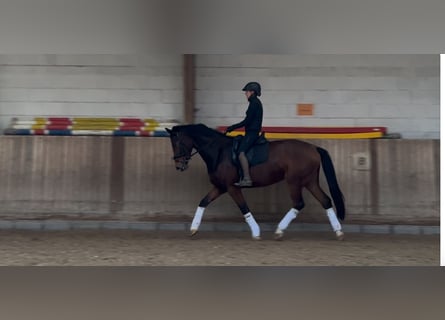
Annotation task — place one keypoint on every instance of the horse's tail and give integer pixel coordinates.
(337, 195)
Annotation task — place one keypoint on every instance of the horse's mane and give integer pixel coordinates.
(198, 130)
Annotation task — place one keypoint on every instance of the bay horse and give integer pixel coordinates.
(295, 161)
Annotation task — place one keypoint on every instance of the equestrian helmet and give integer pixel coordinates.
(253, 86)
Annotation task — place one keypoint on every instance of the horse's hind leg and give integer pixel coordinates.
(298, 204)
(212, 195)
(326, 202)
(238, 197)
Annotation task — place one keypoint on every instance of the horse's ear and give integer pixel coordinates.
(168, 130)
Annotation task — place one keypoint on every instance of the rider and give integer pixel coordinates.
(252, 125)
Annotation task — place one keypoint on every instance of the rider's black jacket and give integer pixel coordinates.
(254, 117)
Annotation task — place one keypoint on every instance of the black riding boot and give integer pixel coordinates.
(246, 181)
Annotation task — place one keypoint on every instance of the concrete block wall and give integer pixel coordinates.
(400, 92)
(91, 85)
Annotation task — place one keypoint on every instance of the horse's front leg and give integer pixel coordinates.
(238, 197)
(212, 195)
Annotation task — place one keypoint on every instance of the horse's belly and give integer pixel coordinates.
(264, 175)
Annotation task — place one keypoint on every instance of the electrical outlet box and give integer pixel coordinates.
(361, 161)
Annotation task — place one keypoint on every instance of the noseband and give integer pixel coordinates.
(183, 153)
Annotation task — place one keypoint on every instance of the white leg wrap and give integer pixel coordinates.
(254, 227)
(333, 219)
(197, 219)
(284, 223)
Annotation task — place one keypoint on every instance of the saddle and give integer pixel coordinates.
(256, 155)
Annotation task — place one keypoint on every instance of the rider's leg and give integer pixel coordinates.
(246, 143)
(245, 166)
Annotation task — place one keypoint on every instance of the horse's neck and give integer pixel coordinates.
(208, 147)
(203, 143)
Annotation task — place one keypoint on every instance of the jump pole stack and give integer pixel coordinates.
(89, 126)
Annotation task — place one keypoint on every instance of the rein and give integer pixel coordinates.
(185, 155)
(203, 139)
(188, 157)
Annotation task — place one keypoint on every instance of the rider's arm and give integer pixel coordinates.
(249, 117)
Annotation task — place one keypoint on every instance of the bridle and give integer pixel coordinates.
(184, 154)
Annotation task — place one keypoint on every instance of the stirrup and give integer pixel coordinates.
(244, 183)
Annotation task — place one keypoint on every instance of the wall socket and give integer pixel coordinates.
(361, 161)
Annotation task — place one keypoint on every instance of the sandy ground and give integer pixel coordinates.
(174, 248)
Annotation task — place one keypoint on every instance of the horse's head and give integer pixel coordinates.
(182, 148)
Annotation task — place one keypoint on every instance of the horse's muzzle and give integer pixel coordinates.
(182, 165)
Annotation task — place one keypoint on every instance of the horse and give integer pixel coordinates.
(297, 162)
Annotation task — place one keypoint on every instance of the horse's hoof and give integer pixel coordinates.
(278, 235)
(256, 238)
(193, 232)
(340, 235)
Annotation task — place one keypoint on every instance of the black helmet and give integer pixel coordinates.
(253, 86)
